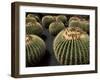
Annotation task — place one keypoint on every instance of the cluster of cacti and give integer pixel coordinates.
(54, 23)
(69, 34)
(71, 46)
(32, 26)
(35, 48)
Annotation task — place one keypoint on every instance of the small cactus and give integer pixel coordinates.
(71, 46)
(35, 49)
(55, 27)
(33, 16)
(84, 25)
(74, 23)
(34, 28)
(75, 18)
(46, 20)
(32, 19)
(62, 18)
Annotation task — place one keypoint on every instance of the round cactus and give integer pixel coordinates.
(75, 18)
(71, 46)
(84, 25)
(56, 27)
(62, 18)
(46, 20)
(31, 19)
(34, 28)
(35, 49)
(74, 23)
(33, 16)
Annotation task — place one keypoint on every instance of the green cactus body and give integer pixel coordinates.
(35, 49)
(46, 20)
(71, 46)
(84, 25)
(32, 19)
(62, 18)
(55, 27)
(34, 28)
(33, 16)
(75, 18)
(74, 23)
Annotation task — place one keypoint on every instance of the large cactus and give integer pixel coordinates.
(46, 20)
(71, 46)
(34, 28)
(55, 27)
(35, 49)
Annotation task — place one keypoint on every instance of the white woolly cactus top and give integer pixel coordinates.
(72, 33)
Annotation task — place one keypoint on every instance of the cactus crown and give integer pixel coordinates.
(28, 39)
(73, 33)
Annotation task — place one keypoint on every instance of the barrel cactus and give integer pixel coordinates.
(74, 23)
(34, 28)
(71, 46)
(30, 19)
(33, 16)
(46, 20)
(62, 18)
(75, 18)
(84, 25)
(55, 27)
(35, 49)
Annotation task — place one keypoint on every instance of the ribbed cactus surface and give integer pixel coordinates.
(84, 25)
(62, 18)
(46, 20)
(30, 19)
(71, 46)
(55, 27)
(33, 16)
(75, 18)
(35, 49)
(74, 23)
(34, 28)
